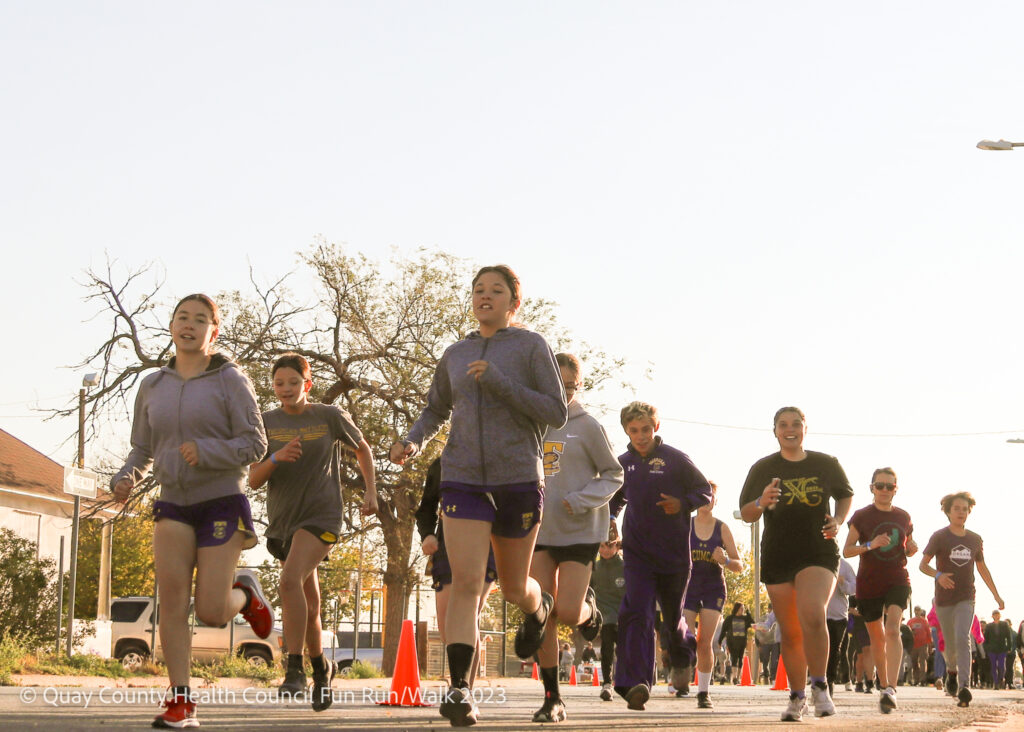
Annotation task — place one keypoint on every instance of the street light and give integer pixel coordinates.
(88, 380)
(998, 145)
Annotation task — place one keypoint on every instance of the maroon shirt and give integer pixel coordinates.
(955, 555)
(886, 567)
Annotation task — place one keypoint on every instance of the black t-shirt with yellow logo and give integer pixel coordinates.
(792, 536)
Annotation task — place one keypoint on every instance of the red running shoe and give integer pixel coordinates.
(178, 713)
(258, 613)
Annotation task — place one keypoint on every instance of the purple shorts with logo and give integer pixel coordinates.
(214, 521)
(512, 510)
(704, 596)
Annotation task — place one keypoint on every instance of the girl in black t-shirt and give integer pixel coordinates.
(799, 552)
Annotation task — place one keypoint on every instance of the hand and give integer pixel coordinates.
(830, 529)
(122, 489)
(429, 545)
(476, 369)
(879, 541)
(770, 495)
(720, 556)
(190, 452)
(670, 505)
(290, 452)
(369, 506)
(400, 452)
(911, 547)
(946, 581)
(999, 602)
(568, 508)
(613, 530)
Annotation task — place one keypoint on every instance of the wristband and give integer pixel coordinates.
(757, 503)
(937, 575)
(273, 459)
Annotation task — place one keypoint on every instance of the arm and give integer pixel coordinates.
(546, 404)
(140, 459)
(364, 456)
(752, 510)
(732, 559)
(943, 579)
(847, 581)
(987, 577)
(842, 509)
(436, 413)
(608, 473)
(248, 441)
(259, 473)
(426, 514)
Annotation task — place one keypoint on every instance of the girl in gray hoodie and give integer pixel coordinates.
(197, 424)
(501, 388)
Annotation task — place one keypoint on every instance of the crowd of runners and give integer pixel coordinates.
(528, 489)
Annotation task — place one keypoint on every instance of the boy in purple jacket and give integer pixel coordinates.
(662, 487)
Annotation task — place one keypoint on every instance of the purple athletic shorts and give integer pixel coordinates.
(214, 521)
(703, 596)
(512, 510)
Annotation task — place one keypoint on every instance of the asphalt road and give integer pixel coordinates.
(508, 704)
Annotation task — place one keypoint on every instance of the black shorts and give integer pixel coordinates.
(872, 609)
(581, 553)
(781, 572)
(279, 548)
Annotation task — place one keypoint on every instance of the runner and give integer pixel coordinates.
(500, 387)
(609, 585)
(799, 553)
(712, 548)
(957, 551)
(439, 567)
(197, 424)
(581, 474)
(882, 536)
(662, 487)
(837, 619)
(304, 509)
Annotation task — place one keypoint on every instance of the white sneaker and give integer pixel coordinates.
(823, 706)
(795, 711)
(849, 686)
(887, 700)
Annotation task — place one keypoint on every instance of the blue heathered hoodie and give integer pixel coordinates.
(217, 410)
(498, 420)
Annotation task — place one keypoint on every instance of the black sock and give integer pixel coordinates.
(319, 663)
(248, 596)
(549, 677)
(460, 659)
(179, 691)
(295, 661)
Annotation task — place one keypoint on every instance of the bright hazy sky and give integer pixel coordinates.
(772, 203)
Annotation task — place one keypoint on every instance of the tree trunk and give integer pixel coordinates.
(397, 528)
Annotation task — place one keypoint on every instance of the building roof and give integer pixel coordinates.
(24, 468)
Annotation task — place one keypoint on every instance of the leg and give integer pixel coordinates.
(573, 580)
(813, 587)
(783, 597)
(677, 638)
(299, 570)
(947, 617)
(513, 557)
(441, 605)
(634, 663)
(314, 626)
(466, 541)
(476, 653)
(879, 651)
(216, 601)
(547, 573)
(174, 559)
(893, 643)
(962, 620)
(836, 634)
(609, 635)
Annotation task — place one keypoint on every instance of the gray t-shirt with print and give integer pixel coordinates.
(307, 493)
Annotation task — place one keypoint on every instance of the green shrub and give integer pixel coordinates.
(363, 670)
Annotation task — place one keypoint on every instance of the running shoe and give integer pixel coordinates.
(322, 696)
(964, 697)
(887, 700)
(679, 678)
(849, 686)
(860, 687)
(294, 682)
(553, 710)
(178, 713)
(606, 692)
(458, 707)
(704, 700)
(638, 696)
(822, 700)
(531, 633)
(590, 629)
(795, 709)
(950, 684)
(257, 611)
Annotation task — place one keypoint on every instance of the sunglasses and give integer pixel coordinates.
(884, 486)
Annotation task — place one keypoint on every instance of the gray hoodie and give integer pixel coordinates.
(217, 410)
(581, 468)
(498, 420)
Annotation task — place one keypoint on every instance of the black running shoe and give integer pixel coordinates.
(531, 633)
(321, 694)
(963, 697)
(592, 628)
(704, 700)
(637, 697)
(950, 684)
(458, 707)
(553, 710)
(294, 682)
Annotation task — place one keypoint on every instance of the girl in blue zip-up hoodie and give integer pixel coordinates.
(501, 388)
(197, 424)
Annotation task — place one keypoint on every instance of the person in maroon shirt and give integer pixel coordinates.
(881, 535)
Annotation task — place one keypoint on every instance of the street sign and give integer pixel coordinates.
(80, 482)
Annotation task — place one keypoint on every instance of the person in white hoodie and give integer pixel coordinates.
(581, 474)
(197, 424)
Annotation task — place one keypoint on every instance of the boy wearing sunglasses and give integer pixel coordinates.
(882, 536)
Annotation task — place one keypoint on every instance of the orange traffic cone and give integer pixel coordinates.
(405, 684)
(535, 676)
(695, 681)
(594, 681)
(745, 679)
(781, 681)
(572, 677)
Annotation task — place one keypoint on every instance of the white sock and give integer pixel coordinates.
(703, 680)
